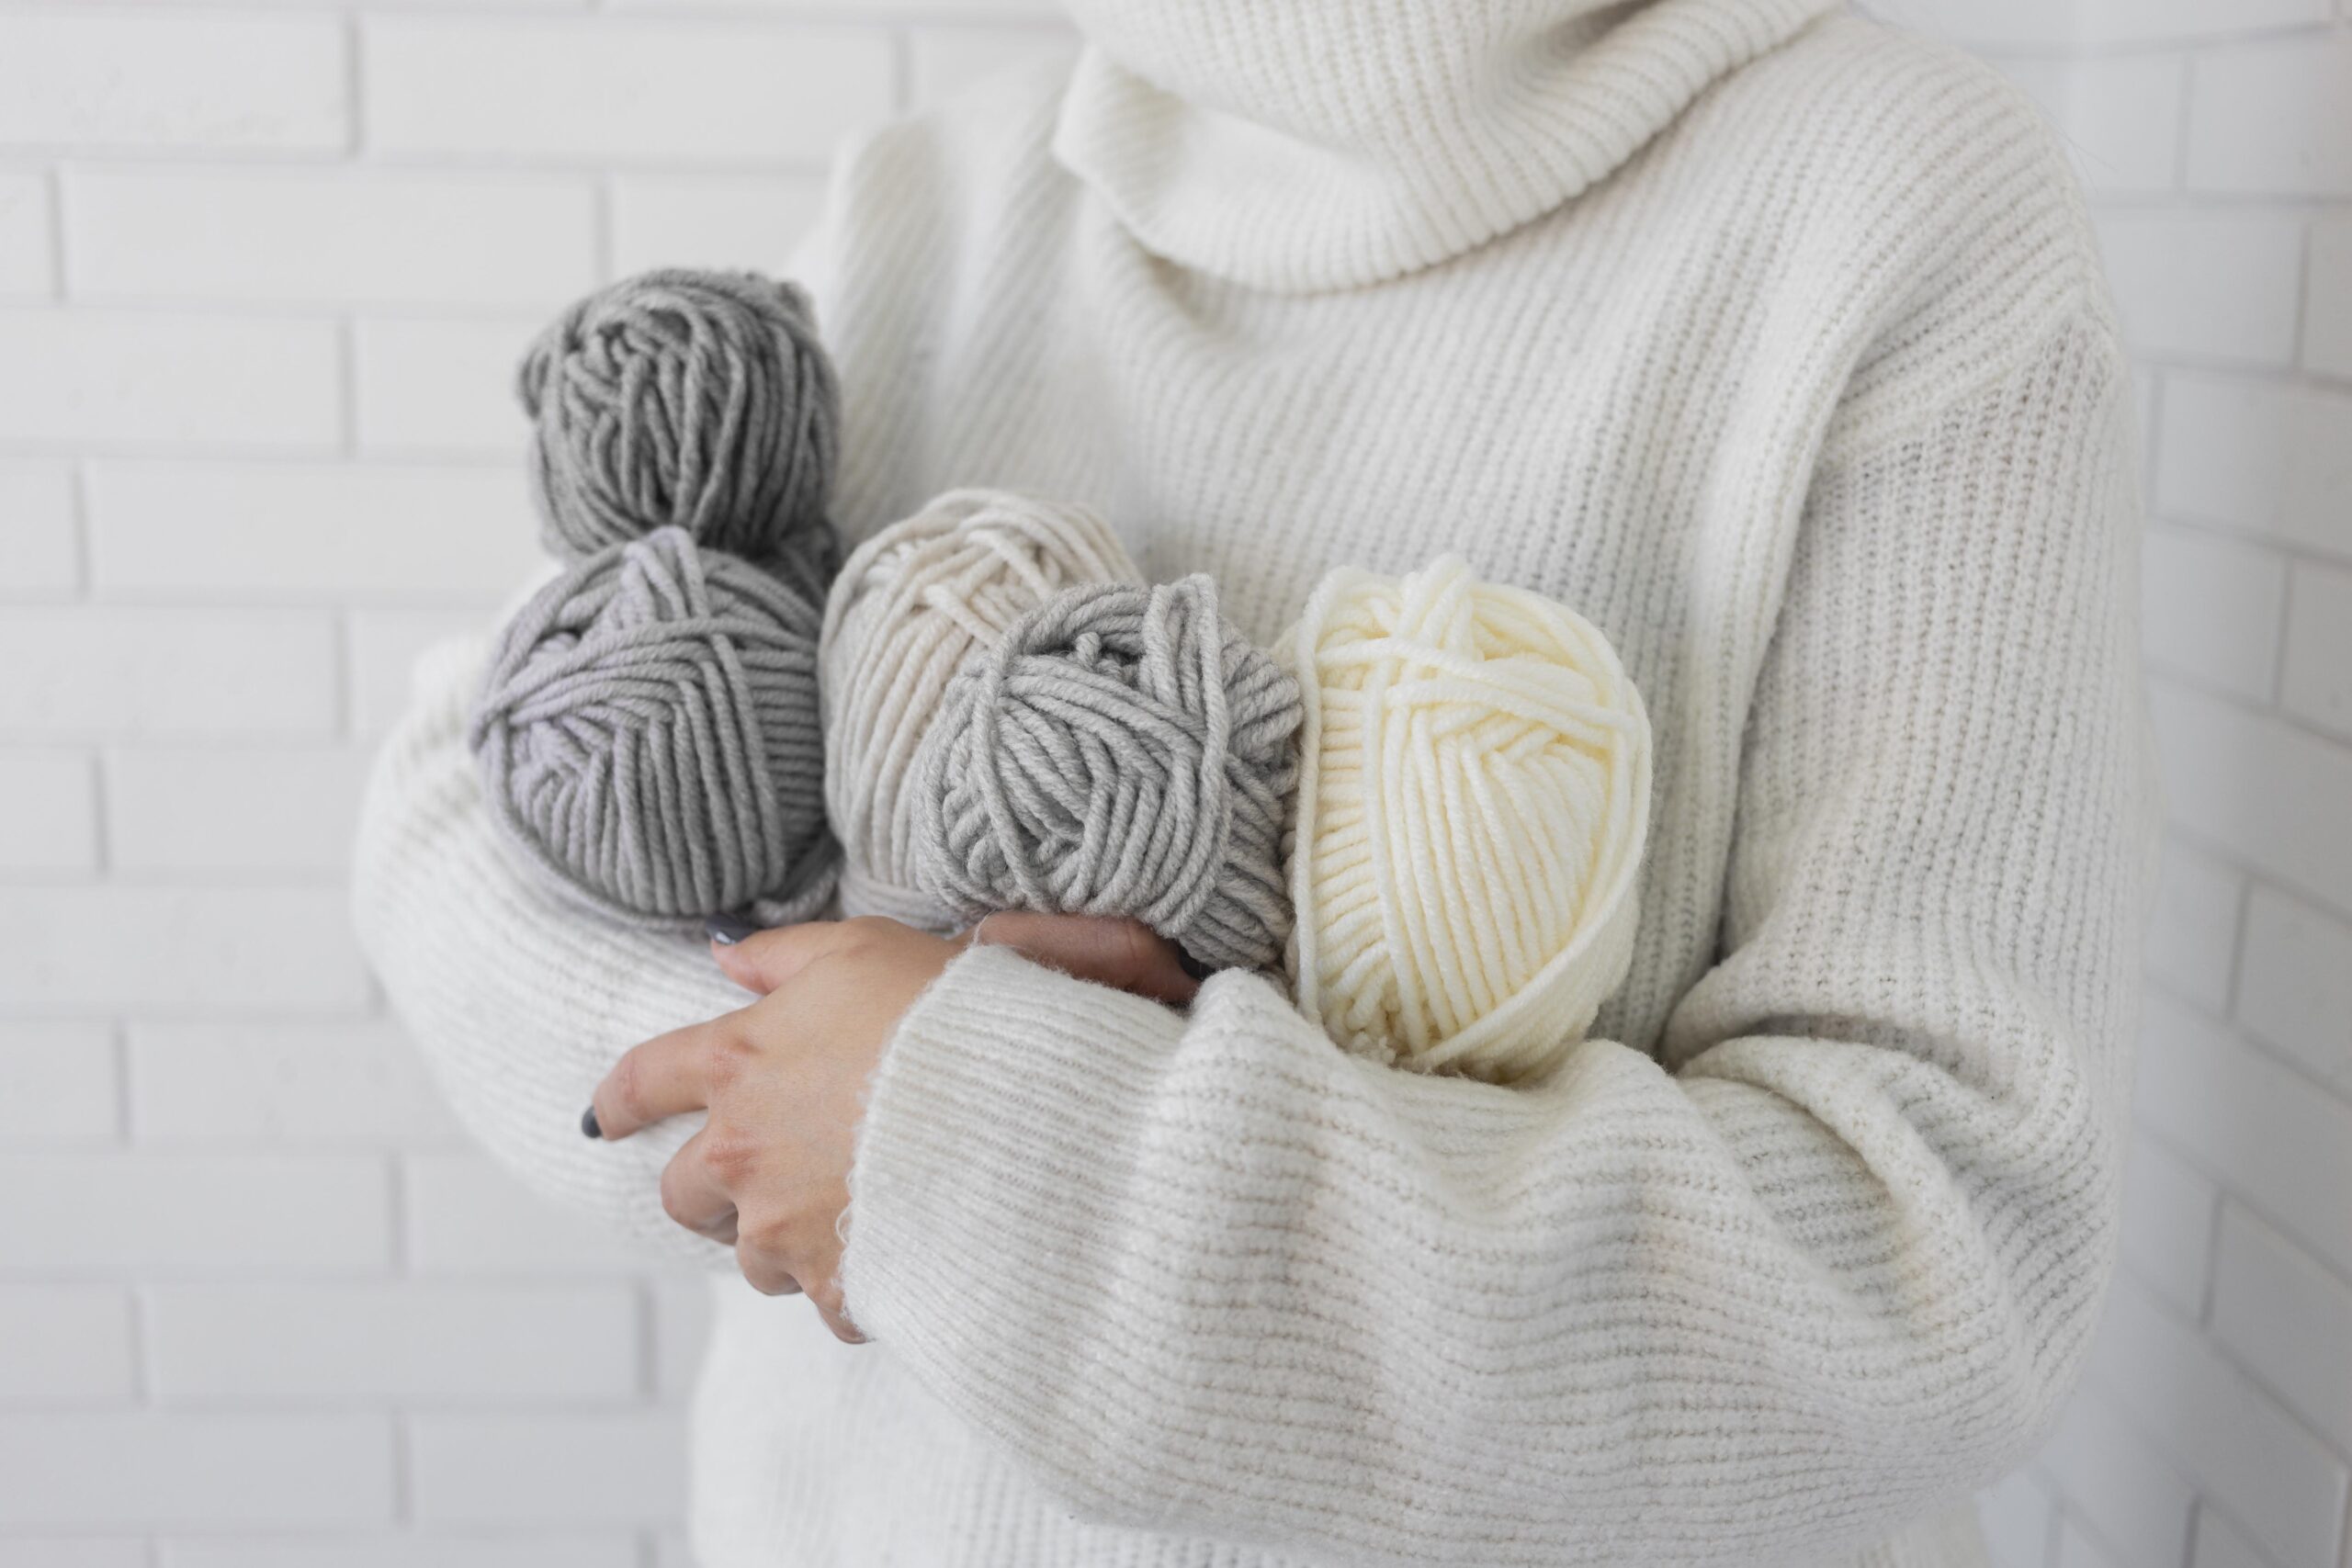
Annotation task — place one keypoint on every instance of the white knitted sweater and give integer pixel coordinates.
(1774, 344)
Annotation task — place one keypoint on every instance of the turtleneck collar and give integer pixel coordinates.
(1309, 144)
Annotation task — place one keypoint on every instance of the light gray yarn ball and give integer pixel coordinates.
(647, 736)
(1122, 750)
(700, 401)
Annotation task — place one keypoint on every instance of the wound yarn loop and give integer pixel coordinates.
(913, 603)
(1473, 801)
(1121, 751)
(647, 736)
(700, 401)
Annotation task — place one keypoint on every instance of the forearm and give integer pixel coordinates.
(520, 1005)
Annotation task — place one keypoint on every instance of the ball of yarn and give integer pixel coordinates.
(647, 736)
(699, 401)
(1121, 751)
(911, 605)
(1472, 799)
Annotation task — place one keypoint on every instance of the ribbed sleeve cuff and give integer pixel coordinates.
(998, 1143)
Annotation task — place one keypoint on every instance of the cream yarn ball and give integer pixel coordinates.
(911, 604)
(1473, 801)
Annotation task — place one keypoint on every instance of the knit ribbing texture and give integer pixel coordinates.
(911, 605)
(1476, 795)
(1120, 750)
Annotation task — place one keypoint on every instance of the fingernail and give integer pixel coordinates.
(589, 1126)
(1192, 965)
(728, 930)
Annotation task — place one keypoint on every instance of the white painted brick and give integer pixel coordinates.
(76, 1551)
(385, 646)
(2274, 119)
(283, 1083)
(2317, 682)
(2037, 24)
(2276, 461)
(2167, 1224)
(48, 812)
(2297, 990)
(2256, 1124)
(65, 1344)
(27, 243)
(2120, 118)
(437, 1550)
(682, 1315)
(2236, 1439)
(619, 89)
(945, 60)
(2287, 1319)
(178, 952)
(103, 672)
(2016, 1517)
(267, 808)
(105, 379)
(432, 386)
(2208, 284)
(2327, 328)
(285, 1471)
(307, 531)
(2271, 794)
(711, 221)
(570, 1469)
(339, 237)
(2105, 1467)
(462, 1344)
(172, 83)
(2077, 1548)
(57, 1083)
(2193, 926)
(195, 1213)
(466, 1216)
(2220, 1544)
(40, 554)
(2211, 609)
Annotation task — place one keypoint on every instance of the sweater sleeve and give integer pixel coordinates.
(520, 1005)
(1826, 1260)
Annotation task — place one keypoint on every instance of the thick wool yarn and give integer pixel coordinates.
(695, 399)
(1472, 807)
(911, 605)
(1122, 750)
(647, 734)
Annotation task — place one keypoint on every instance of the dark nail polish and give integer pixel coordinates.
(728, 930)
(1192, 965)
(589, 1124)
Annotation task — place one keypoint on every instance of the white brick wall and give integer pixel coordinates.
(264, 269)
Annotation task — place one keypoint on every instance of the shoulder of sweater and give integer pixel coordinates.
(1939, 198)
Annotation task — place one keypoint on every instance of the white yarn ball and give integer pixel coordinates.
(911, 605)
(1472, 808)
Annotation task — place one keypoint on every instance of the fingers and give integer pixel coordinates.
(761, 961)
(1124, 953)
(692, 1195)
(667, 1076)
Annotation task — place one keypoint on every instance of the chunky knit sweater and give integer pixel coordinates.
(1773, 342)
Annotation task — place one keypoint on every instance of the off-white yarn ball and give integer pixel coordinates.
(1473, 802)
(911, 605)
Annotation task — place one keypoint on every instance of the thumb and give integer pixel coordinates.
(759, 961)
(1125, 954)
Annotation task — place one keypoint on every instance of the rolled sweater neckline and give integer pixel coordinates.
(1399, 144)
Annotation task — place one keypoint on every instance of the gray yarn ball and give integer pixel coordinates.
(700, 401)
(1122, 750)
(647, 735)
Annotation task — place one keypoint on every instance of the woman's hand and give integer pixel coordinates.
(783, 1079)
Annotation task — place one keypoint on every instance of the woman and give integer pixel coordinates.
(1770, 340)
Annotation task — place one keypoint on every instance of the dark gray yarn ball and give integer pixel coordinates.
(1122, 750)
(699, 401)
(647, 737)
